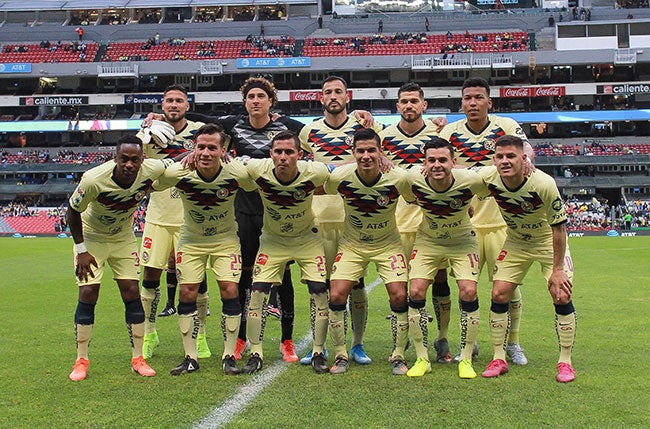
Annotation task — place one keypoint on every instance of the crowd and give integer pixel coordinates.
(64, 156)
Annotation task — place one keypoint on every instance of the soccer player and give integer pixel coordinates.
(250, 136)
(369, 235)
(163, 222)
(403, 143)
(473, 138)
(445, 237)
(289, 233)
(208, 236)
(100, 217)
(534, 212)
(329, 140)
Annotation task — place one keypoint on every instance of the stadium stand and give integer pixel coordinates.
(48, 52)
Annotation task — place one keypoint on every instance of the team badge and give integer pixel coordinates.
(257, 270)
(300, 194)
(179, 258)
(262, 259)
(557, 204)
(140, 195)
(502, 255)
(383, 200)
(526, 206)
(455, 204)
(223, 193)
(146, 242)
(188, 145)
(489, 144)
(271, 134)
(145, 256)
(349, 140)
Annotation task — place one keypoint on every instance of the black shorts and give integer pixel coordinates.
(250, 229)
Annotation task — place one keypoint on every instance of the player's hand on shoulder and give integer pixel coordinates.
(364, 117)
(385, 165)
(439, 122)
(146, 122)
(189, 161)
(529, 167)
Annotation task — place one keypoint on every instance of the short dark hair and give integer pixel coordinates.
(365, 134)
(212, 129)
(176, 87)
(286, 135)
(335, 78)
(474, 82)
(508, 140)
(410, 87)
(128, 139)
(437, 143)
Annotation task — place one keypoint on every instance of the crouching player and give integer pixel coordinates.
(534, 212)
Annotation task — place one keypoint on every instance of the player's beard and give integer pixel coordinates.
(176, 119)
(334, 110)
(412, 118)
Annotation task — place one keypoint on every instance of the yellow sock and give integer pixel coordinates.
(82, 334)
(338, 325)
(419, 329)
(515, 315)
(498, 332)
(230, 328)
(400, 327)
(469, 322)
(189, 326)
(255, 320)
(358, 314)
(442, 308)
(202, 300)
(136, 332)
(150, 298)
(565, 326)
(321, 320)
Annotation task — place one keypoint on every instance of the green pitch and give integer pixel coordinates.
(611, 295)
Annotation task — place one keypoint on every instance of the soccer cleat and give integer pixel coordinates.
(288, 351)
(188, 365)
(140, 366)
(565, 373)
(273, 311)
(399, 366)
(240, 347)
(419, 368)
(319, 364)
(202, 349)
(359, 355)
(340, 365)
(229, 365)
(465, 369)
(495, 368)
(150, 342)
(516, 354)
(306, 360)
(254, 364)
(169, 310)
(442, 350)
(474, 353)
(79, 370)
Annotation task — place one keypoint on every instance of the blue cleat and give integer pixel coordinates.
(359, 355)
(307, 359)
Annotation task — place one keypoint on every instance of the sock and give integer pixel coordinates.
(202, 300)
(244, 297)
(134, 318)
(82, 334)
(256, 320)
(230, 328)
(150, 296)
(441, 300)
(188, 323)
(338, 320)
(321, 320)
(136, 334)
(565, 326)
(358, 313)
(286, 306)
(469, 322)
(399, 324)
(515, 315)
(499, 329)
(419, 327)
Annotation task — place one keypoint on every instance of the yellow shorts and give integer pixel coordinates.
(462, 257)
(275, 252)
(351, 262)
(121, 256)
(157, 243)
(223, 257)
(515, 259)
(490, 242)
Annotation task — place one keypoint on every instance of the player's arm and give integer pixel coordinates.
(84, 259)
(559, 284)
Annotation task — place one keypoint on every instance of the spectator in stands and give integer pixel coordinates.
(80, 33)
(320, 21)
(380, 26)
(426, 23)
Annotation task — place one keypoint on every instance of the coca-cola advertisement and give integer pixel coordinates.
(315, 95)
(533, 91)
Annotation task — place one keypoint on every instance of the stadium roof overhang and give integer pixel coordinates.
(45, 5)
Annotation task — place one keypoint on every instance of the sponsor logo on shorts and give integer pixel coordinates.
(414, 253)
(338, 256)
(502, 255)
(146, 242)
(262, 259)
(257, 270)
(145, 256)
(179, 258)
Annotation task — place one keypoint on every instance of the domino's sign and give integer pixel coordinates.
(15, 68)
(266, 63)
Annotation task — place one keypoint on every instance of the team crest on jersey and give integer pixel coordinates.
(262, 259)
(557, 204)
(271, 134)
(139, 195)
(502, 255)
(223, 193)
(383, 200)
(300, 194)
(146, 242)
(286, 227)
(179, 258)
(414, 253)
(527, 207)
(455, 204)
(489, 145)
(349, 140)
(188, 145)
(145, 256)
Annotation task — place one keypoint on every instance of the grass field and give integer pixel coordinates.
(611, 295)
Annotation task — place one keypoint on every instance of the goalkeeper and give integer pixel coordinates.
(167, 139)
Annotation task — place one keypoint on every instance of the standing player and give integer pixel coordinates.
(403, 144)
(165, 217)
(100, 217)
(369, 235)
(445, 237)
(289, 233)
(534, 212)
(208, 237)
(473, 138)
(329, 140)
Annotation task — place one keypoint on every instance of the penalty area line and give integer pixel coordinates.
(224, 413)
